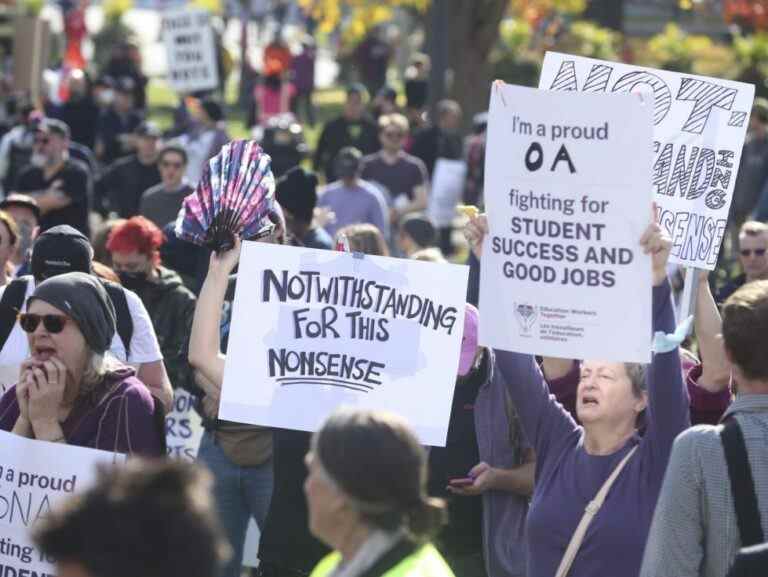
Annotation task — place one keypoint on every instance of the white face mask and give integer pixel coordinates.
(106, 97)
(37, 159)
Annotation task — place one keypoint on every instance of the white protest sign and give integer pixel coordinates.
(313, 330)
(448, 181)
(34, 477)
(568, 198)
(699, 129)
(9, 376)
(190, 50)
(183, 427)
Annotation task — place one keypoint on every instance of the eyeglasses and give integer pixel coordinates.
(167, 164)
(745, 252)
(54, 324)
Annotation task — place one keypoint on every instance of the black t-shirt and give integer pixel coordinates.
(74, 184)
(122, 185)
(463, 533)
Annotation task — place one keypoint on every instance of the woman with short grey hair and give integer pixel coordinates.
(597, 483)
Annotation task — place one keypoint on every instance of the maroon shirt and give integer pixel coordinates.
(123, 421)
(400, 178)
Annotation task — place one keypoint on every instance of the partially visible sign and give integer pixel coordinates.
(34, 477)
(190, 49)
(699, 129)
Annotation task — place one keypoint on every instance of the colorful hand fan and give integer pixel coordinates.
(234, 197)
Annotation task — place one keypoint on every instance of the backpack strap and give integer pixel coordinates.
(10, 307)
(742, 484)
(123, 314)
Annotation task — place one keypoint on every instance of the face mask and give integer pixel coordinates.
(38, 160)
(106, 97)
(133, 281)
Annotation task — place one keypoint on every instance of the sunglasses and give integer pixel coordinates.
(757, 252)
(54, 324)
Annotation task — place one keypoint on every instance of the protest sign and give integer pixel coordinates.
(183, 427)
(34, 477)
(699, 129)
(448, 181)
(191, 53)
(312, 330)
(567, 188)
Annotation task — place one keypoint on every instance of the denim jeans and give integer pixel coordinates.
(240, 493)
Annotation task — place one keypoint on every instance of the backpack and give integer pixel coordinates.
(13, 300)
(754, 551)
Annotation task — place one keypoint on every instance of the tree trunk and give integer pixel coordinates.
(473, 32)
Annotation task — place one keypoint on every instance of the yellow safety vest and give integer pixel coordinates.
(424, 562)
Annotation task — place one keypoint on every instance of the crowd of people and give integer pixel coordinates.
(575, 467)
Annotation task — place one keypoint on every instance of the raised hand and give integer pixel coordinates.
(475, 231)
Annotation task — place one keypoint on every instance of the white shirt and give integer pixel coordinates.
(144, 345)
(197, 154)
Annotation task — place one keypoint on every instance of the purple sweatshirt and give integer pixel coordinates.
(501, 444)
(568, 478)
(123, 421)
(362, 203)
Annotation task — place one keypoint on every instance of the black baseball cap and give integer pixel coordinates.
(148, 129)
(60, 250)
(347, 162)
(21, 200)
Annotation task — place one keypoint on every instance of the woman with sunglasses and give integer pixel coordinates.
(70, 389)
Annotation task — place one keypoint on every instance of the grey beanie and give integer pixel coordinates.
(83, 298)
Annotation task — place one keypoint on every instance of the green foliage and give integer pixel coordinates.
(515, 35)
(751, 51)
(588, 39)
(31, 7)
(675, 49)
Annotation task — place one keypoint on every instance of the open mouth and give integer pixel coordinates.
(588, 400)
(43, 353)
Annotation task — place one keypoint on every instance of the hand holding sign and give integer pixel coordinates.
(475, 231)
(658, 244)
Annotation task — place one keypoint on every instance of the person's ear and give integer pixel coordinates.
(642, 403)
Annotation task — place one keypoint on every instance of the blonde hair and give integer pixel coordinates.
(395, 119)
(96, 368)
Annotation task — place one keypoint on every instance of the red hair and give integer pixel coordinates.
(137, 234)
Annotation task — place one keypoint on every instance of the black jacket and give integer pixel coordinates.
(337, 134)
(171, 306)
(120, 188)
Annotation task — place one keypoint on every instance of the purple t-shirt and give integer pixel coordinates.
(568, 478)
(361, 204)
(400, 178)
(123, 421)
(501, 444)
